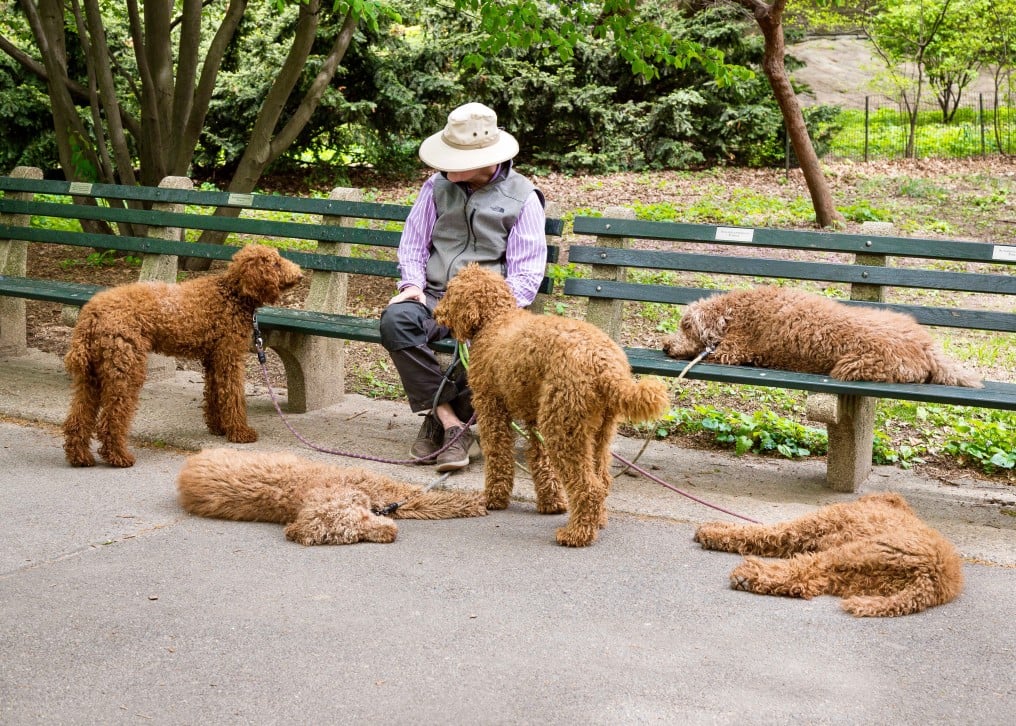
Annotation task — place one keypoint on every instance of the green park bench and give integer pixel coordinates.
(705, 256)
(345, 230)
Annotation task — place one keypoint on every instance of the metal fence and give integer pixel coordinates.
(881, 130)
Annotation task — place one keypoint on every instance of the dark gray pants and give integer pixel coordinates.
(406, 330)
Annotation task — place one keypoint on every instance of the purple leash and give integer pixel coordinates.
(259, 347)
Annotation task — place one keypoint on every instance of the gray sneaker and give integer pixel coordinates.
(455, 456)
(429, 439)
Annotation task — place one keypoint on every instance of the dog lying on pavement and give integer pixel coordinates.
(874, 552)
(319, 503)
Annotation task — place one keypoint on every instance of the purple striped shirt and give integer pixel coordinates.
(525, 255)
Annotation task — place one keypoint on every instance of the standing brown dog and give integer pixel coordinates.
(208, 319)
(565, 379)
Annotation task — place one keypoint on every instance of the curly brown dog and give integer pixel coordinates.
(873, 552)
(319, 503)
(775, 327)
(564, 379)
(208, 319)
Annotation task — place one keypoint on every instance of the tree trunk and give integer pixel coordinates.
(770, 21)
(266, 145)
(191, 124)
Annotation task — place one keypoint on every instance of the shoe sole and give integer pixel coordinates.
(429, 459)
(453, 465)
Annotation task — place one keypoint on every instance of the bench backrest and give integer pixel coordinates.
(983, 271)
(139, 208)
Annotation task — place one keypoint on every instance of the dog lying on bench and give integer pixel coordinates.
(873, 552)
(319, 503)
(777, 327)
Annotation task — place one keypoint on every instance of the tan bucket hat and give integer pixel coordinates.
(470, 140)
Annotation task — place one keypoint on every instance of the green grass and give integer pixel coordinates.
(769, 423)
(888, 130)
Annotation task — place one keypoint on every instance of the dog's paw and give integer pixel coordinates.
(558, 506)
(777, 577)
(383, 532)
(679, 347)
(715, 536)
(119, 459)
(81, 460)
(493, 503)
(570, 536)
(245, 435)
(747, 576)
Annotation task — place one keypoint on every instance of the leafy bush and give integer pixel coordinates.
(762, 432)
(989, 443)
(28, 138)
(984, 438)
(586, 112)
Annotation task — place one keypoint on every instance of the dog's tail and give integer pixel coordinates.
(949, 373)
(79, 361)
(645, 399)
(442, 504)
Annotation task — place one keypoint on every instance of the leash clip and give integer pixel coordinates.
(259, 343)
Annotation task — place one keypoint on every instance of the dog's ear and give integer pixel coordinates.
(256, 272)
(720, 325)
(706, 323)
(474, 297)
(460, 312)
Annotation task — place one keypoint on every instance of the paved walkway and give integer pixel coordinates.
(116, 607)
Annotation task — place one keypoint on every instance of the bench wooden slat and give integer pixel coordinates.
(798, 239)
(117, 242)
(240, 225)
(995, 394)
(66, 293)
(796, 270)
(346, 327)
(672, 295)
(307, 260)
(267, 202)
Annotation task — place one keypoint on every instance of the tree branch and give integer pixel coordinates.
(284, 139)
(194, 122)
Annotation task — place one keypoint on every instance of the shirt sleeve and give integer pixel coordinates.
(414, 245)
(526, 253)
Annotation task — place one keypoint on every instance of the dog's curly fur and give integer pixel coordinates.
(208, 319)
(319, 503)
(775, 327)
(564, 379)
(874, 552)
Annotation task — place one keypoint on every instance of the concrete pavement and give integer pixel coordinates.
(117, 607)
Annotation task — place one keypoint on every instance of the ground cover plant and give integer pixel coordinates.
(972, 199)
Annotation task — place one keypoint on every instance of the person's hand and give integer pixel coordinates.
(412, 292)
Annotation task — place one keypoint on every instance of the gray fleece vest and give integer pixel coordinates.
(474, 227)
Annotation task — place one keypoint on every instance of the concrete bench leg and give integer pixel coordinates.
(13, 312)
(850, 423)
(315, 369)
(14, 262)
